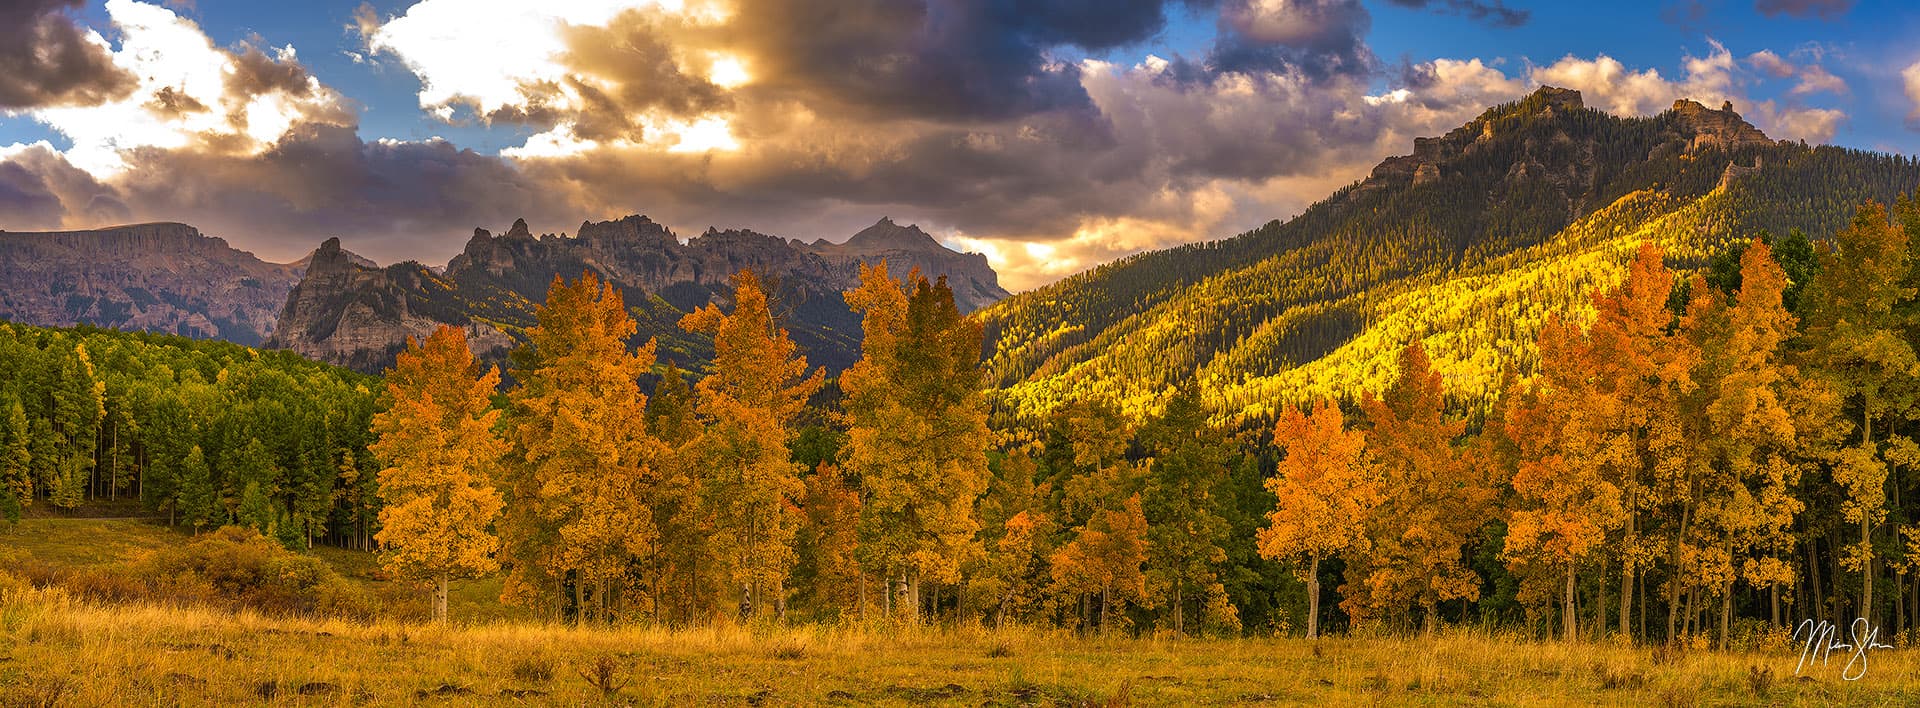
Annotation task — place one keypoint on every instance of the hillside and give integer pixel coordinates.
(1466, 244)
(165, 277)
(359, 316)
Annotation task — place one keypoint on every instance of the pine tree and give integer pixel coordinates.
(1181, 499)
(747, 406)
(199, 499)
(1325, 488)
(438, 442)
(588, 469)
(16, 458)
(917, 428)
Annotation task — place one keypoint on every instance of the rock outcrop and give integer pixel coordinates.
(359, 316)
(159, 277)
(904, 248)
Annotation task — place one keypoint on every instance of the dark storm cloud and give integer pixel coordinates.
(1823, 9)
(941, 59)
(1494, 13)
(386, 198)
(1319, 39)
(45, 59)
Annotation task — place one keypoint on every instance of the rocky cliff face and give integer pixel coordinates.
(359, 316)
(161, 277)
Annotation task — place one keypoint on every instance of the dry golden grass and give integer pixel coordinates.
(75, 653)
(59, 650)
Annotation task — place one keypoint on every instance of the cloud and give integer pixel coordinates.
(1609, 85)
(1494, 13)
(46, 59)
(1804, 9)
(1911, 76)
(981, 120)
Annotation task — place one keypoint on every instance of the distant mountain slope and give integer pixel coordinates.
(1466, 244)
(161, 277)
(359, 316)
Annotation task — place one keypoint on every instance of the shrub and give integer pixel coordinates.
(237, 567)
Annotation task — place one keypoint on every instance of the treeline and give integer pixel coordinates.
(206, 433)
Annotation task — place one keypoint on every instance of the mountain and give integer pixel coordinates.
(359, 316)
(1465, 244)
(161, 277)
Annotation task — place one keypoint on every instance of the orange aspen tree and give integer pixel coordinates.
(586, 460)
(1564, 503)
(916, 429)
(747, 404)
(1105, 558)
(437, 441)
(1325, 488)
(1639, 371)
(1417, 535)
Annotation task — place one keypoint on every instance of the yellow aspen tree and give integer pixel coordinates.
(1747, 503)
(441, 453)
(1104, 558)
(1324, 488)
(586, 460)
(916, 428)
(1855, 326)
(747, 404)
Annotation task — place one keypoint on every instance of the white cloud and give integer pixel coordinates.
(1608, 85)
(1912, 77)
(176, 63)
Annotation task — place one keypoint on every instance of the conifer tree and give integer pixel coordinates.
(437, 439)
(1181, 499)
(1325, 488)
(16, 458)
(199, 499)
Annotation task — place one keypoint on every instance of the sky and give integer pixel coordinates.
(1050, 135)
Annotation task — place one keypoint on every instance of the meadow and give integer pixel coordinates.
(58, 648)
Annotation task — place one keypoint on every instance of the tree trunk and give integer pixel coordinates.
(1313, 597)
(1600, 602)
(1570, 617)
(1774, 591)
(440, 599)
(1866, 523)
(1629, 565)
(1727, 613)
(1179, 614)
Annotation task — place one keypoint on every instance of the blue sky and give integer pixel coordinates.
(806, 143)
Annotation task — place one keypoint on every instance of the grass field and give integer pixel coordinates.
(58, 650)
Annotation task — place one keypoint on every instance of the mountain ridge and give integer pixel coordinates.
(1250, 317)
(360, 316)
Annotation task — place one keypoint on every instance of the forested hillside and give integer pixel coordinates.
(205, 433)
(1465, 245)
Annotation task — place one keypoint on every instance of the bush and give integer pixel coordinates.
(237, 567)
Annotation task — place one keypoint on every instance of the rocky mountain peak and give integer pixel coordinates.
(1721, 128)
(886, 235)
(519, 230)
